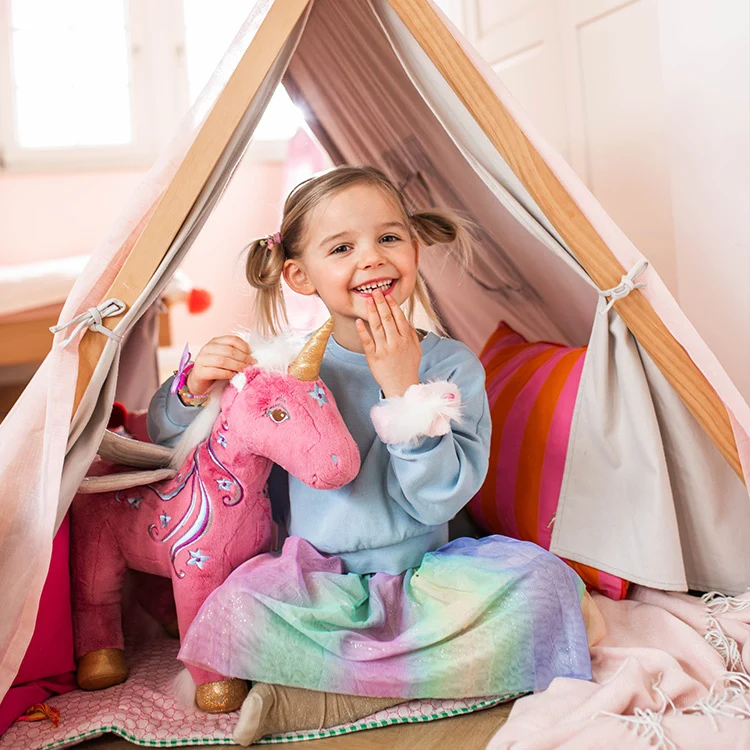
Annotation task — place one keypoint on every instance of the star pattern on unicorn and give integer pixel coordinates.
(319, 395)
(197, 558)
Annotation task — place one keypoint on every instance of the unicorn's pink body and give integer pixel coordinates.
(215, 513)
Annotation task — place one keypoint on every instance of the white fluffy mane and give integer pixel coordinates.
(274, 354)
(270, 354)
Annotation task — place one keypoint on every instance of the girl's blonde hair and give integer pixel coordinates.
(265, 259)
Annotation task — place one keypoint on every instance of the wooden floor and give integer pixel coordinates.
(471, 732)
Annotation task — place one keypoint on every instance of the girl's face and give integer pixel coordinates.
(356, 241)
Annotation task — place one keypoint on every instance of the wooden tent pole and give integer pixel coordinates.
(605, 270)
(192, 174)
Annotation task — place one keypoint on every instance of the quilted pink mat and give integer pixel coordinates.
(142, 712)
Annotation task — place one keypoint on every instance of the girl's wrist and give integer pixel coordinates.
(399, 390)
(189, 381)
(188, 391)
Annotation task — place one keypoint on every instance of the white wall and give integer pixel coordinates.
(706, 73)
(649, 101)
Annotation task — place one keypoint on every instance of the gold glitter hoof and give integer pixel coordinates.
(101, 669)
(221, 697)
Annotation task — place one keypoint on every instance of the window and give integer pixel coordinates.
(209, 30)
(69, 101)
(104, 83)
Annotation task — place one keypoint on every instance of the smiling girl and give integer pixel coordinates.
(368, 596)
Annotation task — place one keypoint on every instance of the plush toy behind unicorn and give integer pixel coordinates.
(214, 514)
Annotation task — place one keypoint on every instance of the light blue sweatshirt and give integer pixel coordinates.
(398, 507)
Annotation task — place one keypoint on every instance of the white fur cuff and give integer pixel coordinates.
(425, 410)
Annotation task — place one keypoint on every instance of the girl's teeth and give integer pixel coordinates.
(370, 288)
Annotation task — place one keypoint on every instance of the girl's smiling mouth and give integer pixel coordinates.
(384, 285)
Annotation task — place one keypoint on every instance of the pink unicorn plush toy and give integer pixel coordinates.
(198, 526)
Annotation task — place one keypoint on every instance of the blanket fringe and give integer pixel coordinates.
(648, 723)
(735, 684)
(648, 726)
(725, 646)
(718, 604)
(719, 701)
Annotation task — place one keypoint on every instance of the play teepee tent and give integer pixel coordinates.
(654, 489)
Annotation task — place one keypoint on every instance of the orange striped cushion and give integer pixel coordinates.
(532, 389)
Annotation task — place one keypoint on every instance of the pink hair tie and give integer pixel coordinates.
(271, 240)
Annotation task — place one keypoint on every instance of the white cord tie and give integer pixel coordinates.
(92, 319)
(626, 285)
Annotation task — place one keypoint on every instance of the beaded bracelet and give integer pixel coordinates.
(192, 399)
(179, 386)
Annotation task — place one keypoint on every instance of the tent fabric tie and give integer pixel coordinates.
(92, 319)
(626, 285)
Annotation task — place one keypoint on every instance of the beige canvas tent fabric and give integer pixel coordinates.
(377, 98)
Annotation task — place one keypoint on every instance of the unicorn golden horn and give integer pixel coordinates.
(307, 365)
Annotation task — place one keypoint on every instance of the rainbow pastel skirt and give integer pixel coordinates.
(478, 617)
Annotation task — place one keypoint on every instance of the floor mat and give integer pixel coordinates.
(142, 711)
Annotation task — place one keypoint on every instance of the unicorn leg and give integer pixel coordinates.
(215, 693)
(98, 576)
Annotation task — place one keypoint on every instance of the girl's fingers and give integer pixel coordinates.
(217, 373)
(227, 350)
(376, 324)
(221, 362)
(225, 344)
(390, 329)
(400, 320)
(232, 340)
(367, 343)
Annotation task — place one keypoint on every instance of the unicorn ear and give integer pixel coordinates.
(307, 365)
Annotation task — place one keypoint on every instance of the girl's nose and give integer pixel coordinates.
(371, 256)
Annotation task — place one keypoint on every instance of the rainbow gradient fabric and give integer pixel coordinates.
(477, 617)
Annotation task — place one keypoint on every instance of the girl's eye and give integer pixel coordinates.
(278, 414)
(339, 249)
(390, 238)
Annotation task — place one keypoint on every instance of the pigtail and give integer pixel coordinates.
(263, 269)
(438, 227)
(435, 226)
(421, 298)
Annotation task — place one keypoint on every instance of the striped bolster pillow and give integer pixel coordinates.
(532, 390)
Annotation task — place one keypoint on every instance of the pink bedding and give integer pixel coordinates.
(671, 672)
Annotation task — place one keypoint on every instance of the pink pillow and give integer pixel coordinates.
(532, 389)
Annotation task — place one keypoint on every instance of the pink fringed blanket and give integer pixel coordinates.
(672, 672)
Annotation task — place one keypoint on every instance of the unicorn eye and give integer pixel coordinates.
(278, 414)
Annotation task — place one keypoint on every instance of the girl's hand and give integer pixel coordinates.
(392, 346)
(220, 359)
